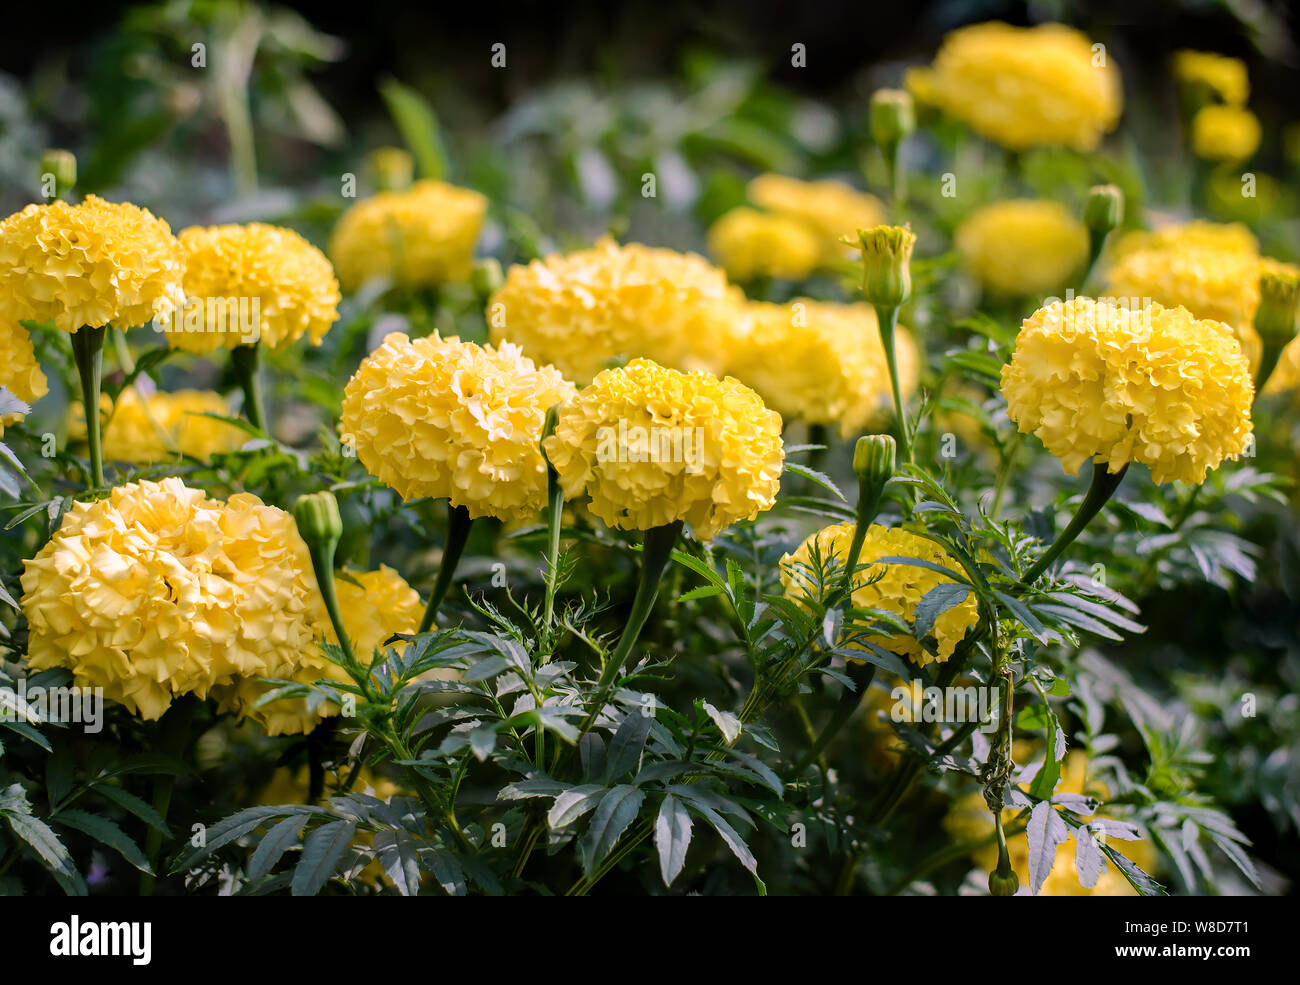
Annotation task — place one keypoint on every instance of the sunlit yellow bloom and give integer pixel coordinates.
(445, 418)
(1225, 133)
(253, 283)
(650, 446)
(20, 373)
(831, 209)
(891, 587)
(1026, 87)
(751, 244)
(1223, 77)
(820, 363)
(1117, 384)
(92, 264)
(423, 236)
(160, 427)
(1197, 234)
(1023, 247)
(585, 311)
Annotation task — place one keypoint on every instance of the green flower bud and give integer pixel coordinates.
(1279, 292)
(873, 464)
(61, 165)
(391, 169)
(1104, 210)
(319, 522)
(892, 116)
(886, 264)
(486, 277)
(1004, 883)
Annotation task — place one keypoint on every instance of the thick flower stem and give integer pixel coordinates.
(247, 359)
(88, 351)
(554, 524)
(1103, 485)
(458, 526)
(322, 561)
(887, 320)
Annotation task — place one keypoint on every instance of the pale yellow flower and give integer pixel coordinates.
(1229, 134)
(1023, 247)
(160, 426)
(20, 373)
(830, 209)
(751, 244)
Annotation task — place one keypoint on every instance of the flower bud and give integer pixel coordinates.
(1104, 210)
(487, 277)
(892, 116)
(1279, 292)
(873, 464)
(61, 165)
(886, 264)
(391, 169)
(319, 522)
(1004, 884)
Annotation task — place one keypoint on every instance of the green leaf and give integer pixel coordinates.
(320, 856)
(107, 833)
(821, 478)
(397, 854)
(238, 825)
(277, 841)
(672, 837)
(446, 870)
(728, 724)
(573, 804)
(624, 754)
(1027, 618)
(935, 603)
(418, 123)
(130, 802)
(617, 809)
(42, 839)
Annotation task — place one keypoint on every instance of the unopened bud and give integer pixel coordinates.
(886, 264)
(62, 166)
(892, 115)
(1279, 293)
(873, 463)
(1104, 210)
(319, 522)
(1004, 883)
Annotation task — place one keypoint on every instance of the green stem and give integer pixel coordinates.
(1103, 485)
(458, 527)
(88, 351)
(887, 321)
(322, 560)
(247, 360)
(554, 523)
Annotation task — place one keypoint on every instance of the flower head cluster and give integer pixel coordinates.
(650, 446)
(20, 373)
(1223, 78)
(374, 605)
(237, 273)
(751, 244)
(92, 264)
(422, 236)
(1230, 134)
(142, 430)
(583, 311)
(1026, 87)
(820, 363)
(1197, 234)
(445, 418)
(1022, 247)
(158, 591)
(969, 821)
(890, 586)
(1116, 385)
(830, 209)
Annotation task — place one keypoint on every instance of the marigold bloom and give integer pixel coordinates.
(1118, 385)
(583, 311)
(159, 426)
(421, 237)
(1224, 78)
(20, 373)
(830, 209)
(969, 819)
(158, 591)
(93, 264)
(650, 446)
(1225, 133)
(445, 418)
(1197, 234)
(819, 363)
(1027, 87)
(234, 272)
(751, 244)
(891, 587)
(1022, 247)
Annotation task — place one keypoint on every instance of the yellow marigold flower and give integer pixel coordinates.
(831, 209)
(969, 819)
(445, 418)
(236, 274)
(160, 426)
(1197, 234)
(20, 373)
(891, 587)
(650, 446)
(584, 311)
(1225, 133)
(374, 605)
(158, 591)
(1027, 87)
(423, 236)
(93, 264)
(751, 244)
(820, 363)
(1022, 247)
(1224, 78)
(1115, 384)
